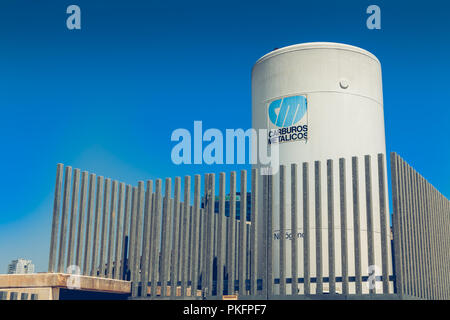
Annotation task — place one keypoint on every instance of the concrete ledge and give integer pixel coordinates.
(61, 280)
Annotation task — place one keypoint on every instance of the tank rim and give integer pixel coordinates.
(316, 45)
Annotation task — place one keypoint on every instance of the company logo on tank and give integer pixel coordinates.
(288, 119)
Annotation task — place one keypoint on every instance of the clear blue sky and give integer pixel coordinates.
(107, 98)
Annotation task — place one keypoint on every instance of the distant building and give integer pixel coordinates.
(20, 266)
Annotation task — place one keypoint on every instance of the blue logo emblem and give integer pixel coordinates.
(290, 111)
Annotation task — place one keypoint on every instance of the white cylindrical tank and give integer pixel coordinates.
(322, 101)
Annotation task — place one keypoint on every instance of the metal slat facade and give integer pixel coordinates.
(199, 247)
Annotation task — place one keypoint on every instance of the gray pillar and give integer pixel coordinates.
(73, 217)
(369, 213)
(55, 220)
(429, 203)
(119, 234)
(243, 234)
(221, 235)
(343, 212)
(132, 239)
(270, 217)
(175, 238)
(165, 236)
(331, 249)
(210, 233)
(419, 235)
(442, 262)
(89, 225)
(294, 229)
(203, 246)
(356, 225)
(416, 235)
(138, 247)
(396, 223)
(412, 234)
(156, 223)
(438, 278)
(427, 246)
(64, 214)
(403, 243)
(203, 235)
(112, 217)
(406, 234)
(282, 223)
(180, 242)
(424, 232)
(384, 219)
(103, 244)
(126, 233)
(231, 233)
(196, 232)
(306, 230)
(318, 213)
(446, 249)
(186, 205)
(189, 247)
(146, 237)
(447, 235)
(254, 234)
(98, 208)
(441, 248)
(81, 226)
